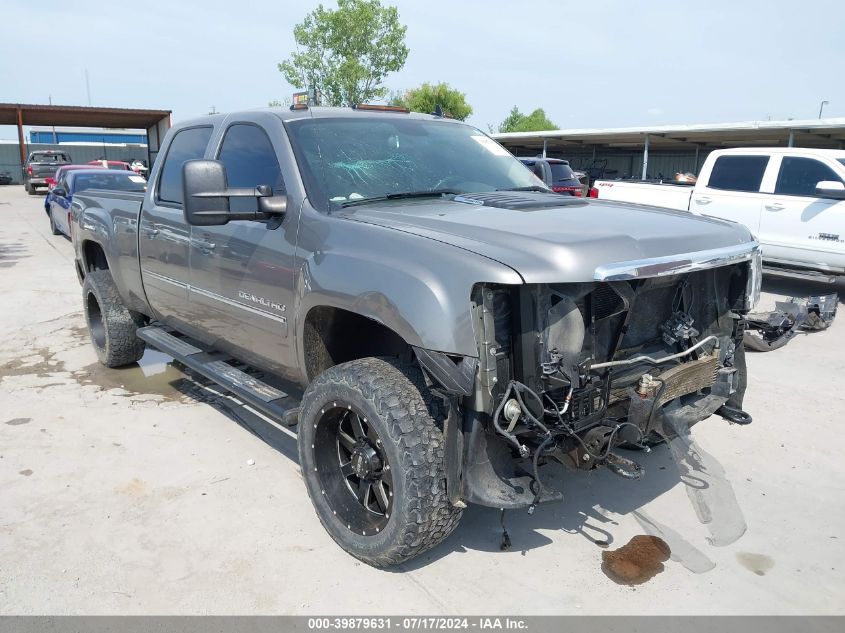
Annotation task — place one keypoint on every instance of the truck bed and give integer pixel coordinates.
(660, 194)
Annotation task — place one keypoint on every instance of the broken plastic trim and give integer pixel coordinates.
(767, 331)
(455, 374)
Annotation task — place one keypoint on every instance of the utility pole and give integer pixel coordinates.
(213, 110)
(821, 107)
(88, 87)
(55, 138)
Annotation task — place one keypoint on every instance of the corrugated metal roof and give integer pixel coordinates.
(33, 114)
(807, 133)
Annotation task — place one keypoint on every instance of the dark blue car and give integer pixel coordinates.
(60, 197)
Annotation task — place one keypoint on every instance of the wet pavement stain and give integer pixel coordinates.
(18, 421)
(758, 563)
(156, 374)
(708, 488)
(683, 551)
(637, 561)
(26, 473)
(43, 368)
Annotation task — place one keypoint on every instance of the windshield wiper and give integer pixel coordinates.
(428, 193)
(528, 188)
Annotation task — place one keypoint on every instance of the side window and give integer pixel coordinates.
(250, 161)
(738, 173)
(187, 145)
(799, 176)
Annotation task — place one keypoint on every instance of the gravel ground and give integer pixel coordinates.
(140, 491)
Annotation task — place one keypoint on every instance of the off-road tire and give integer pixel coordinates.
(53, 228)
(111, 325)
(393, 396)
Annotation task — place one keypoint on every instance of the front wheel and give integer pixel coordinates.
(372, 458)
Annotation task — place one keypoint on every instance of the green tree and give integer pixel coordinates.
(535, 122)
(428, 96)
(346, 53)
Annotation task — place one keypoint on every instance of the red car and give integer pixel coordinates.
(111, 164)
(52, 180)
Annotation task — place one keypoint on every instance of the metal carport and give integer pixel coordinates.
(155, 122)
(696, 140)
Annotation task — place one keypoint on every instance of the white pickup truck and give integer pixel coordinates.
(791, 199)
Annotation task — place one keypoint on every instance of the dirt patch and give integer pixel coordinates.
(637, 561)
(134, 488)
(18, 421)
(26, 472)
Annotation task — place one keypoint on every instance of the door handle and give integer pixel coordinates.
(703, 200)
(151, 233)
(775, 206)
(205, 247)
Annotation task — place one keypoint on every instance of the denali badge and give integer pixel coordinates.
(829, 237)
(262, 301)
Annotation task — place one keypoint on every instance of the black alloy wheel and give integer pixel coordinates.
(353, 468)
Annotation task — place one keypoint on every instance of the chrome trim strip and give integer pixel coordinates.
(676, 264)
(180, 284)
(236, 304)
(216, 297)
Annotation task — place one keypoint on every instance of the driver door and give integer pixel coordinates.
(241, 290)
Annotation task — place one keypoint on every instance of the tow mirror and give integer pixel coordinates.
(830, 189)
(206, 194)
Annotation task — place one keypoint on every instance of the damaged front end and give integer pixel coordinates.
(573, 371)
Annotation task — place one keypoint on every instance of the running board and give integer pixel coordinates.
(803, 275)
(272, 402)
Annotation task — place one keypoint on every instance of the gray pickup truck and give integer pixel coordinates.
(40, 166)
(453, 324)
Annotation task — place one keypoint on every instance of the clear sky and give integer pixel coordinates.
(588, 64)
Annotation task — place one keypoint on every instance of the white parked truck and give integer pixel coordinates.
(792, 199)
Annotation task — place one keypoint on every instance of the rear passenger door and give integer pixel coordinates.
(242, 272)
(797, 226)
(732, 191)
(164, 239)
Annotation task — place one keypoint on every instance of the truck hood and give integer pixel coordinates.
(548, 238)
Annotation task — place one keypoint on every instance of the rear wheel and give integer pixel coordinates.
(29, 188)
(372, 458)
(112, 326)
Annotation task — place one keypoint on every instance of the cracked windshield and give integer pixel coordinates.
(347, 161)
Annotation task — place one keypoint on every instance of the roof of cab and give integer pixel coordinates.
(318, 112)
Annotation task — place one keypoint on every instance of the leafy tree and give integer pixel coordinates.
(428, 96)
(346, 53)
(534, 122)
